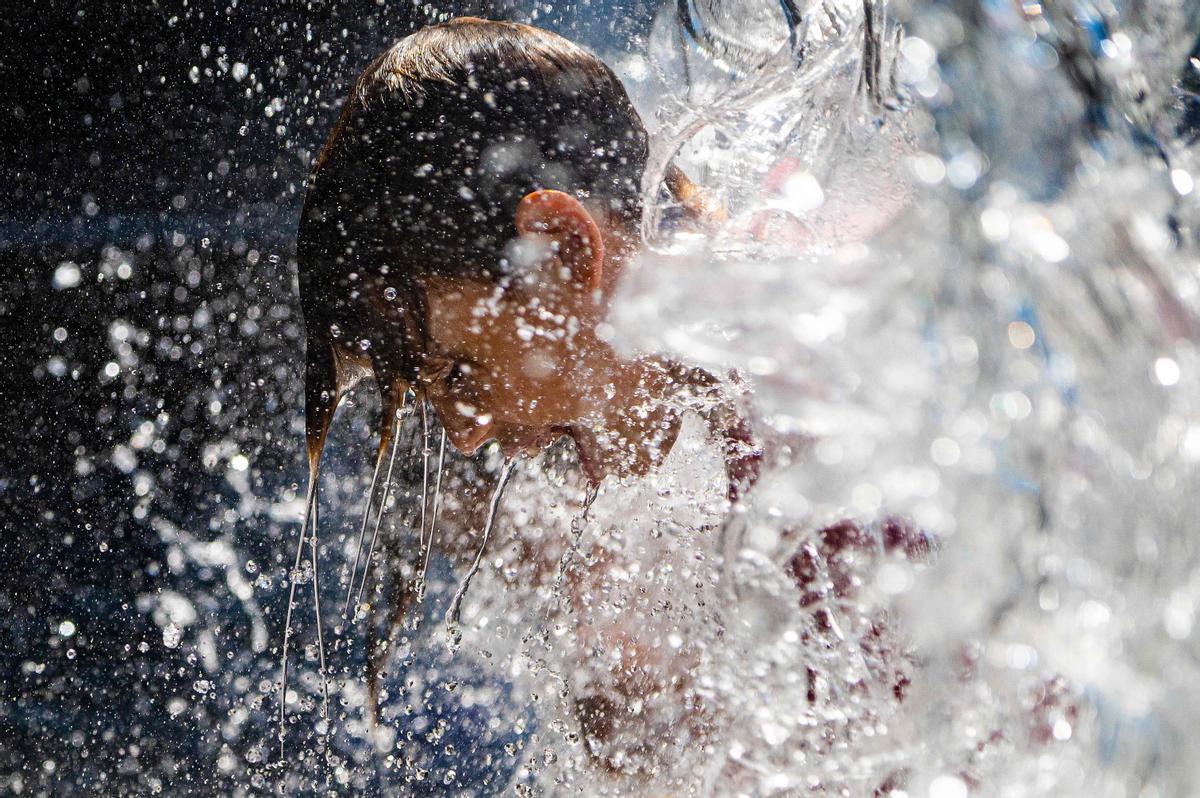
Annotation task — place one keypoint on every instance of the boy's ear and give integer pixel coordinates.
(563, 219)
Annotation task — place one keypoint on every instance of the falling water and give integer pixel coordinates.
(422, 579)
(453, 615)
(362, 532)
(387, 486)
(963, 251)
(307, 530)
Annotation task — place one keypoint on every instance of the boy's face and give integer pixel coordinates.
(506, 366)
(524, 362)
(528, 362)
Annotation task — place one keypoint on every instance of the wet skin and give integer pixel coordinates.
(526, 362)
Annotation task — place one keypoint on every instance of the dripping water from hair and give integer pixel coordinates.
(437, 507)
(564, 564)
(454, 614)
(362, 532)
(310, 514)
(424, 469)
(316, 585)
(387, 492)
(578, 522)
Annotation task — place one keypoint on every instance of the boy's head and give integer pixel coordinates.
(466, 224)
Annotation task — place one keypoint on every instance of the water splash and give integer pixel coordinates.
(974, 308)
(964, 269)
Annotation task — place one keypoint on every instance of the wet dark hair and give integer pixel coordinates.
(438, 142)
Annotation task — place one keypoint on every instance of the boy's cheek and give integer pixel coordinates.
(532, 385)
(524, 403)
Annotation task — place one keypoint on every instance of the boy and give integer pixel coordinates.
(465, 231)
(466, 228)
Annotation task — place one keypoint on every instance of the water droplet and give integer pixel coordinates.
(67, 275)
(453, 636)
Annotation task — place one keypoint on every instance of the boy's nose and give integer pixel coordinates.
(465, 433)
